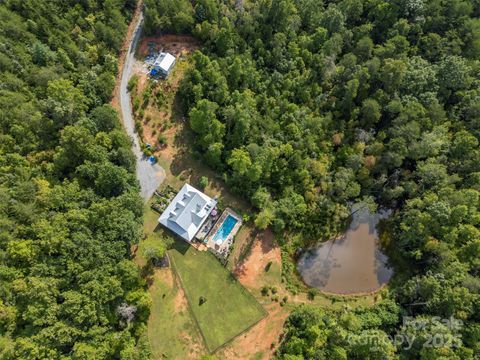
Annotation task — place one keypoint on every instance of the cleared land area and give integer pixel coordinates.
(228, 310)
(172, 332)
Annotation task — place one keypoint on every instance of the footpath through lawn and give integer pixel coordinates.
(229, 308)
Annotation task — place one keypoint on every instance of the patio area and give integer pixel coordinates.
(207, 226)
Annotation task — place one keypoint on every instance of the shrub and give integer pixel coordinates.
(162, 139)
(160, 99)
(312, 293)
(138, 125)
(203, 182)
(135, 103)
(132, 83)
(146, 95)
(265, 290)
(147, 151)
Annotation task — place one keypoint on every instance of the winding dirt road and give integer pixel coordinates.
(149, 176)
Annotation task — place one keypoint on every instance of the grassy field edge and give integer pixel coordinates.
(192, 312)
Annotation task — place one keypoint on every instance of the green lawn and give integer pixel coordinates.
(172, 332)
(229, 308)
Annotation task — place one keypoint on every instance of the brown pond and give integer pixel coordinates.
(351, 264)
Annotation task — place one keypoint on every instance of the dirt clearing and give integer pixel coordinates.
(260, 341)
(263, 251)
(177, 45)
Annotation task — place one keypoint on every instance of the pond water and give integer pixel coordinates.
(350, 264)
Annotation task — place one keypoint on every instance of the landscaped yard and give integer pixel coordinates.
(228, 310)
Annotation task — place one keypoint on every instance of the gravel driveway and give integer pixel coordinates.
(150, 176)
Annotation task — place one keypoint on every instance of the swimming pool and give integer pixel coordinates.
(225, 229)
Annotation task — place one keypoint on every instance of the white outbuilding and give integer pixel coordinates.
(163, 65)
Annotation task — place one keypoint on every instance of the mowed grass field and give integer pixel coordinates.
(172, 332)
(229, 309)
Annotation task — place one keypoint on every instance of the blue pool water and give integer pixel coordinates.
(225, 229)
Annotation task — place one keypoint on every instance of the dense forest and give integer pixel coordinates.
(69, 203)
(307, 106)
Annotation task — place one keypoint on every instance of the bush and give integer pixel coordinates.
(138, 125)
(146, 151)
(135, 103)
(274, 289)
(146, 95)
(265, 290)
(312, 293)
(203, 182)
(132, 83)
(162, 139)
(160, 99)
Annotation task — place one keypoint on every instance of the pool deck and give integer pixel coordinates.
(223, 250)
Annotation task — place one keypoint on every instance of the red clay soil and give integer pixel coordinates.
(174, 44)
(260, 338)
(263, 251)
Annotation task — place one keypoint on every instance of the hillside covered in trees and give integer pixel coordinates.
(69, 203)
(305, 106)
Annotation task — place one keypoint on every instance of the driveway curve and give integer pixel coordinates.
(149, 175)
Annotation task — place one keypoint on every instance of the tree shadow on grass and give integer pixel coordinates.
(180, 246)
(147, 272)
(187, 162)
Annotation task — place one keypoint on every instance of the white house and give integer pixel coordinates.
(163, 64)
(187, 212)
